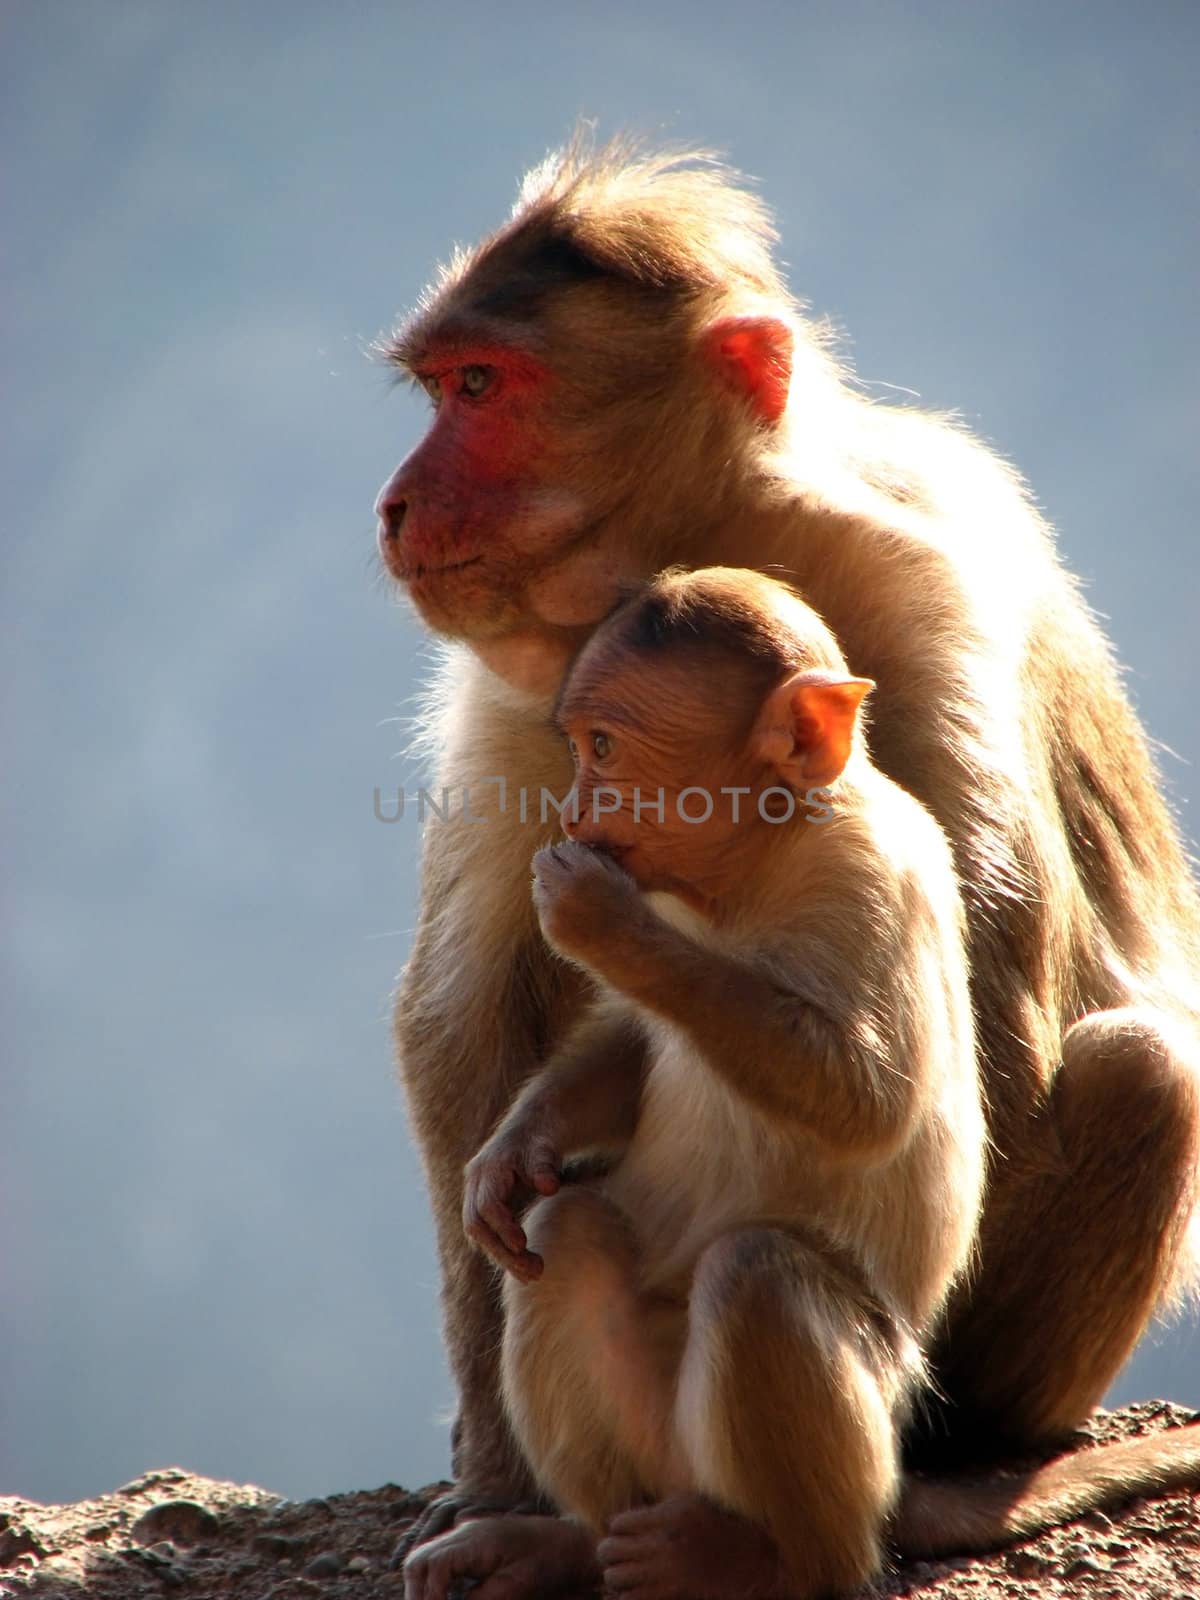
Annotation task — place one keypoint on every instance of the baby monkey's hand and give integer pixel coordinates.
(513, 1166)
(583, 897)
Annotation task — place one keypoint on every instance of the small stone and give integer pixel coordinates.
(405, 1504)
(358, 1564)
(1025, 1564)
(156, 1559)
(327, 1565)
(182, 1521)
(151, 1480)
(17, 1540)
(274, 1544)
(1082, 1567)
(146, 1554)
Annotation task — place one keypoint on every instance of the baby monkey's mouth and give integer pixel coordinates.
(615, 852)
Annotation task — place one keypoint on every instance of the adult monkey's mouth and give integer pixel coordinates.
(422, 569)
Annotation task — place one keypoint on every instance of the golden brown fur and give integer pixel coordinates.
(998, 706)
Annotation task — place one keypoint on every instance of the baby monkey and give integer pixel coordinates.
(710, 1348)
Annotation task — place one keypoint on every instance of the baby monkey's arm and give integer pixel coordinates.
(585, 1098)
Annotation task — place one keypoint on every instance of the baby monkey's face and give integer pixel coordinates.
(664, 781)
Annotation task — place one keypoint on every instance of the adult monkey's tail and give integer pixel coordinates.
(945, 1516)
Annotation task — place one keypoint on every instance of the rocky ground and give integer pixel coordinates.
(172, 1534)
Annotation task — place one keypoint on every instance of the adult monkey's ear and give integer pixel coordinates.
(754, 356)
(806, 727)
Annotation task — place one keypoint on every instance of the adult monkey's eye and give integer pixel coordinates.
(601, 746)
(476, 379)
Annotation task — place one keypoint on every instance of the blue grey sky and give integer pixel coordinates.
(214, 1242)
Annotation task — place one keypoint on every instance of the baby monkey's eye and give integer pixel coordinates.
(601, 746)
(432, 387)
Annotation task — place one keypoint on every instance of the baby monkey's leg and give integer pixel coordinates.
(792, 1382)
(765, 1444)
(589, 1361)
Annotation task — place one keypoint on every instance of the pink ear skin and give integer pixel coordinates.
(754, 355)
(806, 730)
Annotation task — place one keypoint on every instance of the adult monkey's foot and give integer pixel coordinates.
(508, 1558)
(456, 1505)
(686, 1548)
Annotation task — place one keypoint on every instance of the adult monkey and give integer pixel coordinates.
(622, 381)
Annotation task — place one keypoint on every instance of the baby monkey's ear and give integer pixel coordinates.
(806, 728)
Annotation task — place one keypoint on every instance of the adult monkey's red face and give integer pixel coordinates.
(469, 519)
(601, 396)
